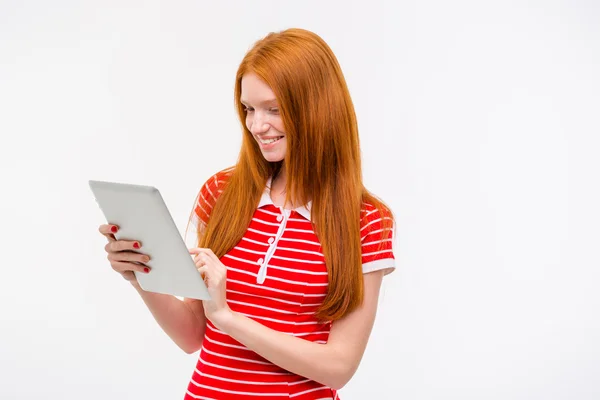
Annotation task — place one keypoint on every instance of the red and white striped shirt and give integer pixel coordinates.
(276, 275)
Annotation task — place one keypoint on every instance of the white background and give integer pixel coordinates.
(479, 127)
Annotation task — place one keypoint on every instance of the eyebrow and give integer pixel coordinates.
(262, 102)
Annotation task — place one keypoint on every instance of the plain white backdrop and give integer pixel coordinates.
(479, 126)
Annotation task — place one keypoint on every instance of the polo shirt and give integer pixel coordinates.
(276, 275)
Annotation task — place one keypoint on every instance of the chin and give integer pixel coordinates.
(273, 157)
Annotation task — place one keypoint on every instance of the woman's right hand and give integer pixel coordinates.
(122, 255)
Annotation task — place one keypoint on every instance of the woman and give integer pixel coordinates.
(291, 245)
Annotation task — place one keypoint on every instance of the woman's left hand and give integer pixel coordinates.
(214, 274)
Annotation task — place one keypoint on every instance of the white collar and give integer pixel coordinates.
(266, 199)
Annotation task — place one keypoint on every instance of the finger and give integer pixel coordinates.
(128, 256)
(108, 230)
(122, 245)
(199, 263)
(202, 258)
(129, 276)
(123, 267)
(214, 270)
(198, 250)
(204, 273)
(214, 260)
(208, 257)
(212, 255)
(208, 252)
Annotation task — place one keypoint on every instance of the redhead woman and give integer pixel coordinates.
(291, 245)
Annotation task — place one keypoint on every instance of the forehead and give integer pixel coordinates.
(256, 91)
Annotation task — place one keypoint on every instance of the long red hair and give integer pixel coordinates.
(323, 162)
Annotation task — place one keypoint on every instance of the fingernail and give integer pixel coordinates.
(114, 229)
(136, 245)
(146, 270)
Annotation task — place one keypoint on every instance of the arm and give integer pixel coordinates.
(331, 364)
(183, 321)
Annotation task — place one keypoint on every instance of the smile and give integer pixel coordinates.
(269, 141)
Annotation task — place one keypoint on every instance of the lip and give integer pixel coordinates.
(268, 137)
(270, 145)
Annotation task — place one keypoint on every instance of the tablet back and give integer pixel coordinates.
(141, 214)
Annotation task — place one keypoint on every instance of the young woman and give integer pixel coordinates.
(291, 245)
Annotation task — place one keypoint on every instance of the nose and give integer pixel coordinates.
(258, 124)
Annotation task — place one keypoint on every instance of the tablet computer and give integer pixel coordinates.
(141, 214)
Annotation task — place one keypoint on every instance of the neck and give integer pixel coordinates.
(278, 184)
(278, 189)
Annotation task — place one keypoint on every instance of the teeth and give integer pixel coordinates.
(269, 141)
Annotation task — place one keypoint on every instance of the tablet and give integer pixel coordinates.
(141, 214)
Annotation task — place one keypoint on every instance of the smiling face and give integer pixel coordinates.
(262, 117)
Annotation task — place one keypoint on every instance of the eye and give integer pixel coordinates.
(274, 110)
(248, 109)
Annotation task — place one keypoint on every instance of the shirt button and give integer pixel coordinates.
(279, 217)
(260, 261)
(271, 240)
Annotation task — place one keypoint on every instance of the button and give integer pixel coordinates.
(262, 274)
(271, 240)
(279, 217)
(260, 261)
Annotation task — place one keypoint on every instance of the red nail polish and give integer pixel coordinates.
(136, 245)
(146, 270)
(114, 229)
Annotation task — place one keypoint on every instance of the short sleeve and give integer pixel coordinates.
(203, 205)
(377, 239)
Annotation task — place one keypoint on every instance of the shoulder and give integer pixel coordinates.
(210, 191)
(374, 215)
(218, 180)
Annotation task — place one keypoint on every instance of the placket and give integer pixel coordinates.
(282, 219)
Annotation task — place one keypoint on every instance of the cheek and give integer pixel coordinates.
(278, 124)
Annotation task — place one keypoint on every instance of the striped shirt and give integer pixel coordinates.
(276, 275)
